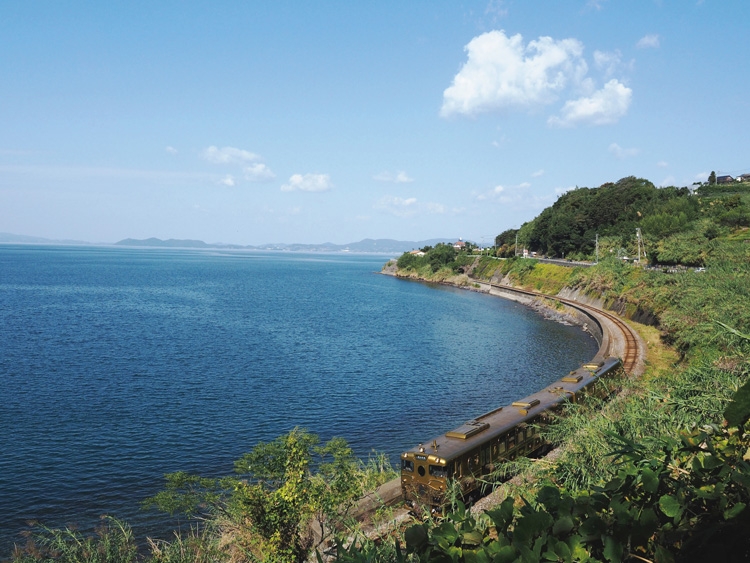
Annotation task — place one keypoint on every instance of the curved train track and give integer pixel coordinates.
(631, 350)
(621, 340)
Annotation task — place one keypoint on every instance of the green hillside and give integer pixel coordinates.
(678, 225)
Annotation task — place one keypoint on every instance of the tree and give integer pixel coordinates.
(277, 500)
(712, 178)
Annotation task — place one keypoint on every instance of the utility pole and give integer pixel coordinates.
(640, 244)
(516, 250)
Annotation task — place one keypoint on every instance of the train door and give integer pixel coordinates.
(420, 466)
(485, 458)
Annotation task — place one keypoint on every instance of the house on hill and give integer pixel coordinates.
(724, 179)
(744, 178)
(459, 245)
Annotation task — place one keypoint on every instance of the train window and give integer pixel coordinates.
(501, 445)
(407, 465)
(420, 470)
(438, 471)
(473, 461)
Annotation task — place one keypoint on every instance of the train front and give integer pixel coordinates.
(424, 478)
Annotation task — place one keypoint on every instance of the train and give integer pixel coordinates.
(471, 453)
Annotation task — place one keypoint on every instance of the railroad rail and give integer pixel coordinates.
(618, 338)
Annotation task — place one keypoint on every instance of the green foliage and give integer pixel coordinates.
(195, 547)
(686, 501)
(281, 489)
(441, 257)
(675, 224)
(113, 542)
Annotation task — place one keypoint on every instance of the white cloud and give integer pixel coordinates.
(603, 107)
(399, 177)
(436, 208)
(308, 183)
(662, 164)
(596, 4)
(258, 172)
(648, 42)
(501, 72)
(229, 155)
(228, 180)
(538, 173)
(622, 153)
(398, 206)
(170, 149)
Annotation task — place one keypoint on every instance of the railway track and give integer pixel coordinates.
(621, 340)
(630, 349)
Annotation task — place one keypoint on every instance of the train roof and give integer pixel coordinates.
(493, 424)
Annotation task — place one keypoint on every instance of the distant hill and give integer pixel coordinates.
(368, 245)
(170, 243)
(385, 246)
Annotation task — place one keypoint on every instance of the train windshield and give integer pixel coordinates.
(438, 471)
(407, 465)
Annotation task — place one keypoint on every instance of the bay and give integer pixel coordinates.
(118, 365)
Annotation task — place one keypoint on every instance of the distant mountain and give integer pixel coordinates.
(384, 246)
(368, 245)
(170, 243)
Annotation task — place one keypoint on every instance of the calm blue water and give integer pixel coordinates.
(119, 365)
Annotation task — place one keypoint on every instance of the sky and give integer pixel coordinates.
(252, 122)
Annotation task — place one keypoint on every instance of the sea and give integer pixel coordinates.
(119, 365)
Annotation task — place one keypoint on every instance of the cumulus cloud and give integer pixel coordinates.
(229, 155)
(502, 72)
(603, 107)
(399, 177)
(648, 42)
(308, 183)
(622, 153)
(538, 173)
(662, 164)
(170, 149)
(228, 180)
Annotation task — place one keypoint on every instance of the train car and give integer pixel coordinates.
(472, 452)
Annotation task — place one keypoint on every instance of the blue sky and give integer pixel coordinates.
(259, 122)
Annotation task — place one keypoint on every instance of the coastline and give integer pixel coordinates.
(588, 314)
